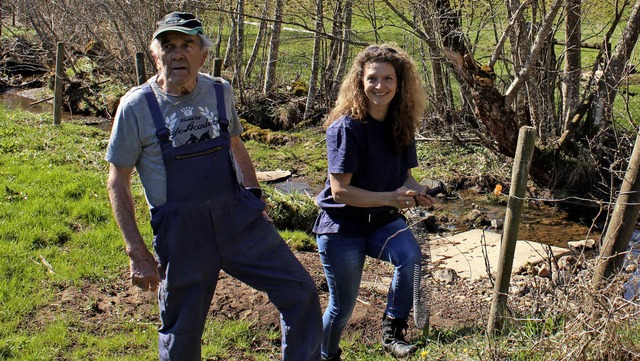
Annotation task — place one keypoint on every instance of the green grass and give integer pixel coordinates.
(304, 155)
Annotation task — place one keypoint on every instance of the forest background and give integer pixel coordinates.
(490, 66)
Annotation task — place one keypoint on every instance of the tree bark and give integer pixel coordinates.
(589, 111)
(615, 69)
(533, 55)
(315, 61)
(450, 27)
(344, 46)
(258, 42)
(431, 23)
(572, 61)
(229, 54)
(239, 46)
(623, 221)
(334, 51)
(272, 60)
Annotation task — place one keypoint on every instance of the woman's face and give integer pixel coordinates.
(380, 86)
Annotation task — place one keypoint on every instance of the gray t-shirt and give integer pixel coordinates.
(189, 118)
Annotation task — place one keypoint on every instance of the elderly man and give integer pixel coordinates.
(180, 131)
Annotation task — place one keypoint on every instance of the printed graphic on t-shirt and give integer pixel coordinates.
(191, 125)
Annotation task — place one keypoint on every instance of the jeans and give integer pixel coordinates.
(343, 258)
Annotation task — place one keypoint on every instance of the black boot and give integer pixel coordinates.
(336, 357)
(393, 337)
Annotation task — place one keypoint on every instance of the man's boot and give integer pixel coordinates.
(336, 357)
(393, 337)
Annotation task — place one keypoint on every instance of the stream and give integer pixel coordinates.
(539, 223)
(13, 99)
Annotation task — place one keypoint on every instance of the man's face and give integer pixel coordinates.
(179, 60)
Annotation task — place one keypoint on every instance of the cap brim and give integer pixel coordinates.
(180, 29)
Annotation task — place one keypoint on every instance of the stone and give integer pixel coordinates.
(544, 271)
(446, 275)
(497, 224)
(583, 244)
(567, 262)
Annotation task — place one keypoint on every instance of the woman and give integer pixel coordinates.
(371, 150)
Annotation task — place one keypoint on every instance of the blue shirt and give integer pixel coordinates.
(367, 150)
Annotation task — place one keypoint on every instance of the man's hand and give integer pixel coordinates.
(143, 266)
(144, 270)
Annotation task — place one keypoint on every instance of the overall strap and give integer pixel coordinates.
(156, 114)
(222, 107)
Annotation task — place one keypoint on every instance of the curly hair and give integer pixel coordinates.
(406, 108)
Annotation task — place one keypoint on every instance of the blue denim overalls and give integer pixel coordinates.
(211, 223)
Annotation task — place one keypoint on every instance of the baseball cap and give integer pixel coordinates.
(178, 21)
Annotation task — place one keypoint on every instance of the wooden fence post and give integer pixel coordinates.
(141, 73)
(519, 176)
(217, 67)
(57, 95)
(622, 223)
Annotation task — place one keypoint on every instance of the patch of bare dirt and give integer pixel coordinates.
(102, 308)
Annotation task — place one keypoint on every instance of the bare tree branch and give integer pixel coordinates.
(498, 49)
(538, 43)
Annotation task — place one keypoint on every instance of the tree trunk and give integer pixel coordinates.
(450, 27)
(431, 25)
(572, 61)
(334, 51)
(229, 54)
(218, 41)
(239, 46)
(45, 32)
(623, 221)
(315, 61)
(577, 168)
(258, 43)
(541, 86)
(589, 111)
(495, 110)
(520, 45)
(344, 46)
(616, 69)
(272, 60)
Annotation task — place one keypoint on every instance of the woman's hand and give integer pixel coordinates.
(404, 197)
(425, 200)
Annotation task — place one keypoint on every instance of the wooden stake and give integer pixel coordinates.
(519, 176)
(57, 95)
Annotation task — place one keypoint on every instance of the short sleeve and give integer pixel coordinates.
(124, 146)
(343, 146)
(412, 155)
(235, 128)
